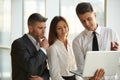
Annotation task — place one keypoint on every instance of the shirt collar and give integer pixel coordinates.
(98, 30)
(89, 33)
(32, 39)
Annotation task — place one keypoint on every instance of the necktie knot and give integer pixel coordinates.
(94, 33)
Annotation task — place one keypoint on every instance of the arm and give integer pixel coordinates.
(79, 55)
(54, 66)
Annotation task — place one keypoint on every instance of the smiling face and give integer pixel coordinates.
(62, 30)
(37, 30)
(88, 20)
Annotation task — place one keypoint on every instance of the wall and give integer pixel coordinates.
(17, 17)
(113, 15)
(52, 9)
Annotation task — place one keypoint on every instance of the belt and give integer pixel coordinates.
(69, 77)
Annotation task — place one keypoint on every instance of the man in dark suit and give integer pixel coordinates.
(28, 53)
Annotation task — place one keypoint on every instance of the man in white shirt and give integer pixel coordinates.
(107, 39)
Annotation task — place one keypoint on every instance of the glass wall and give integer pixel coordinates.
(5, 22)
(68, 11)
(5, 39)
(8, 32)
(32, 6)
(5, 64)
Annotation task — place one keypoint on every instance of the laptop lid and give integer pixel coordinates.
(108, 60)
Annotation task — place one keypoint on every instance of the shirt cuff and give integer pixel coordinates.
(43, 50)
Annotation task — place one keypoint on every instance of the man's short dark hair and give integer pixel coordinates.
(36, 17)
(83, 8)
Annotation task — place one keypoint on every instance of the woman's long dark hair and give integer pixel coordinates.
(52, 31)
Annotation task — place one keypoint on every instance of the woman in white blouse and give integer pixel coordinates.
(61, 59)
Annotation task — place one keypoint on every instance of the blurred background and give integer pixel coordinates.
(14, 15)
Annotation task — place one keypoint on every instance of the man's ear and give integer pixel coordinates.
(30, 28)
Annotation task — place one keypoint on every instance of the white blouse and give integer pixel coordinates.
(60, 60)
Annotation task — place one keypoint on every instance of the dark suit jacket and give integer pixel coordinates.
(27, 61)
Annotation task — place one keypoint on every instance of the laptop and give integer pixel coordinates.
(108, 60)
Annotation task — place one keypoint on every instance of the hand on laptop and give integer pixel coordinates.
(114, 46)
(98, 75)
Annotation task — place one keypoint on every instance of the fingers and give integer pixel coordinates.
(96, 73)
(114, 46)
(96, 76)
(44, 43)
(43, 39)
(99, 74)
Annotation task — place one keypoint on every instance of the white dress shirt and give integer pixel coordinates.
(83, 43)
(60, 60)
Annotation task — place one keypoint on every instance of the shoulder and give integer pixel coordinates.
(56, 46)
(18, 42)
(52, 47)
(51, 51)
(106, 28)
(79, 36)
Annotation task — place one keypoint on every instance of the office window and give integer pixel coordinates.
(69, 12)
(5, 64)
(5, 22)
(32, 6)
(5, 39)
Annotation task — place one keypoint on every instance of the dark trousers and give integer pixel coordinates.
(69, 77)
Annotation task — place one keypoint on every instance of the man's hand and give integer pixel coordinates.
(114, 46)
(36, 78)
(44, 43)
(98, 75)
